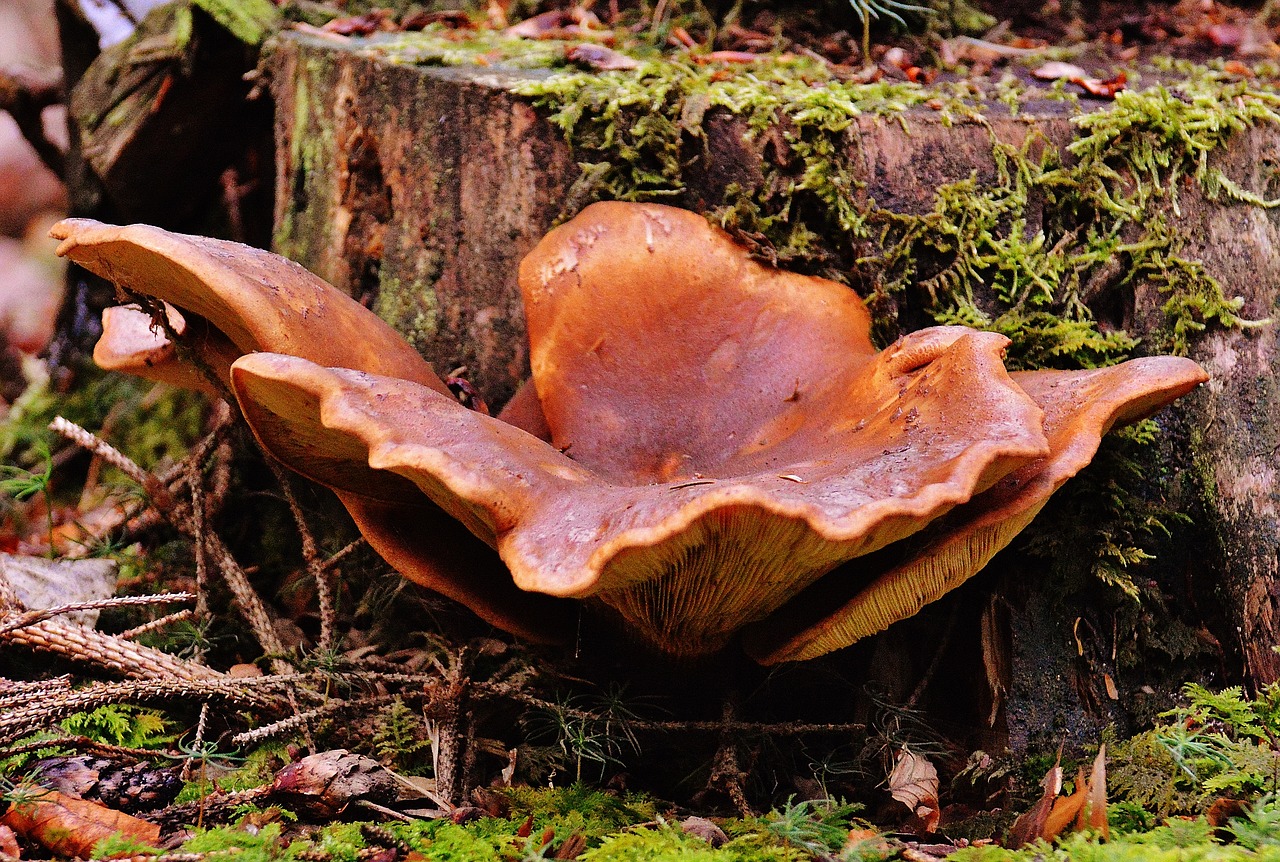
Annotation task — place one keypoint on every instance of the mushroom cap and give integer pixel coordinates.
(258, 300)
(856, 600)
(638, 314)
(132, 344)
(688, 528)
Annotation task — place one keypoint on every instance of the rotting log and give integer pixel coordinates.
(418, 189)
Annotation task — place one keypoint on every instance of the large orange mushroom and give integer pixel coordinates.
(723, 435)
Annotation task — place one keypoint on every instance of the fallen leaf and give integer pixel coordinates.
(576, 23)
(1094, 815)
(1222, 811)
(1055, 69)
(701, 827)
(1030, 825)
(573, 847)
(67, 826)
(451, 18)
(601, 59)
(9, 843)
(1225, 35)
(1103, 89)
(914, 783)
(361, 25)
(42, 583)
(866, 844)
(1066, 810)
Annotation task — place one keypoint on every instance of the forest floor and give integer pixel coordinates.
(224, 669)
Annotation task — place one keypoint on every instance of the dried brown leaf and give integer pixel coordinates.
(66, 826)
(1030, 825)
(914, 783)
(9, 844)
(1094, 815)
(600, 58)
(1104, 89)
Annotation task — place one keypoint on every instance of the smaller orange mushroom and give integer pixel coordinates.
(256, 299)
(132, 343)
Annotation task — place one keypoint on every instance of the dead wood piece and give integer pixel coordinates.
(18, 721)
(25, 94)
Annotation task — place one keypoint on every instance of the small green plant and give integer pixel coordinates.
(121, 846)
(22, 484)
(1259, 827)
(818, 826)
(400, 740)
(588, 729)
(121, 724)
(867, 10)
(1219, 743)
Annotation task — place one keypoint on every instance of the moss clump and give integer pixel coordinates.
(1218, 744)
(542, 821)
(1176, 841)
(1030, 253)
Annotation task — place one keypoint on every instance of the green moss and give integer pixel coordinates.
(413, 308)
(669, 844)
(1218, 744)
(312, 146)
(1026, 254)
(250, 21)
(259, 845)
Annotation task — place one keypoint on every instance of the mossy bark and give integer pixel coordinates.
(419, 189)
(373, 197)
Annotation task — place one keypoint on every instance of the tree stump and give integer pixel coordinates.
(418, 189)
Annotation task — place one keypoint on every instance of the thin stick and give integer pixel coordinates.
(84, 743)
(30, 618)
(196, 488)
(104, 450)
(311, 556)
(162, 622)
(182, 517)
(346, 551)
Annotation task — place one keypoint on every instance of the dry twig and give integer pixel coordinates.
(20, 720)
(186, 520)
(154, 625)
(30, 618)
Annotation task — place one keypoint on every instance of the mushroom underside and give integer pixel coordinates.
(687, 563)
(858, 599)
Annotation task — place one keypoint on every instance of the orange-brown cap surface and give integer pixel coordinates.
(133, 344)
